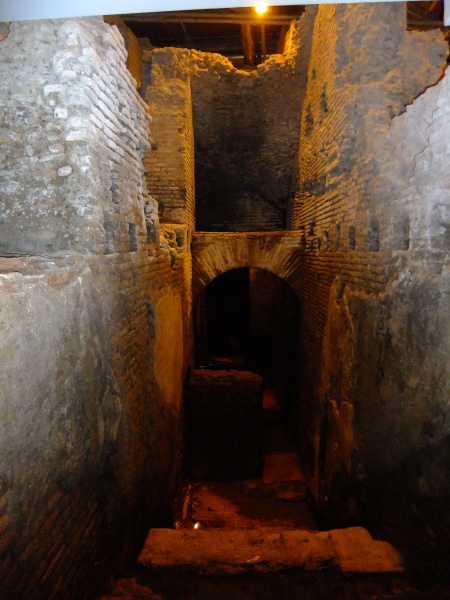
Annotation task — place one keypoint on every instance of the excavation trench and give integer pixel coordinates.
(244, 526)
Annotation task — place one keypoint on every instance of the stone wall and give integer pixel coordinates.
(170, 164)
(374, 217)
(95, 322)
(73, 126)
(246, 136)
(244, 126)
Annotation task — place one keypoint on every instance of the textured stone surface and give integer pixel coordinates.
(90, 384)
(357, 552)
(220, 551)
(82, 397)
(224, 425)
(90, 391)
(246, 136)
(170, 163)
(128, 589)
(73, 132)
(216, 253)
(245, 127)
(372, 209)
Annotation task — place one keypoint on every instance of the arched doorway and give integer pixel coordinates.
(242, 402)
(249, 319)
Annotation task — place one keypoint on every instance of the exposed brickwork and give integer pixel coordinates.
(96, 409)
(73, 131)
(216, 253)
(375, 298)
(133, 48)
(246, 141)
(170, 165)
(351, 100)
(96, 332)
(245, 128)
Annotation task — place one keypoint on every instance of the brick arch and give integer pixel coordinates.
(216, 253)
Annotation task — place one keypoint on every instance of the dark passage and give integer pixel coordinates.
(249, 319)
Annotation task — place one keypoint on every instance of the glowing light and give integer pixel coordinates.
(261, 8)
(197, 525)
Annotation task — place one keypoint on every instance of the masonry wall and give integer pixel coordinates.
(246, 136)
(170, 163)
(95, 313)
(375, 297)
(72, 129)
(239, 128)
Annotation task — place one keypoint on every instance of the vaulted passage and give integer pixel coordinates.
(248, 318)
(234, 312)
(246, 338)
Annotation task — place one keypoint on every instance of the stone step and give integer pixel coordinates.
(351, 551)
(128, 589)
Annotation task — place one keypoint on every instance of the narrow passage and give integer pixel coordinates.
(276, 500)
(258, 538)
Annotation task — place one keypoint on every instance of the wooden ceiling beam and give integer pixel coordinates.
(210, 18)
(248, 45)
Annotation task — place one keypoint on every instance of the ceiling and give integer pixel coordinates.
(239, 33)
(233, 32)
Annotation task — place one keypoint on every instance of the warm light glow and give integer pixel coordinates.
(261, 8)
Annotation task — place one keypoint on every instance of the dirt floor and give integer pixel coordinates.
(276, 500)
(252, 505)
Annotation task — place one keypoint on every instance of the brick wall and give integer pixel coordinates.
(72, 130)
(95, 322)
(244, 126)
(246, 136)
(215, 253)
(374, 219)
(170, 165)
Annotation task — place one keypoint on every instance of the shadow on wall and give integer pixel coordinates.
(382, 414)
(165, 403)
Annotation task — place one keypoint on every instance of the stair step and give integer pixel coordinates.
(351, 551)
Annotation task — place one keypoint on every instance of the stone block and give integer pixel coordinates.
(358, 552)
(236, 551)
(224, 420)
(128, 589)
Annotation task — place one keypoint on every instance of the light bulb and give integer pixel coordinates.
(261, 8)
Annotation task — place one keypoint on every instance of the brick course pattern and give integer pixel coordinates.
(73, 132)
(96, 329)
(246, 136)
(170, 164)
(94, 399)
(374, 137)
(215, 253)
(245, 130)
